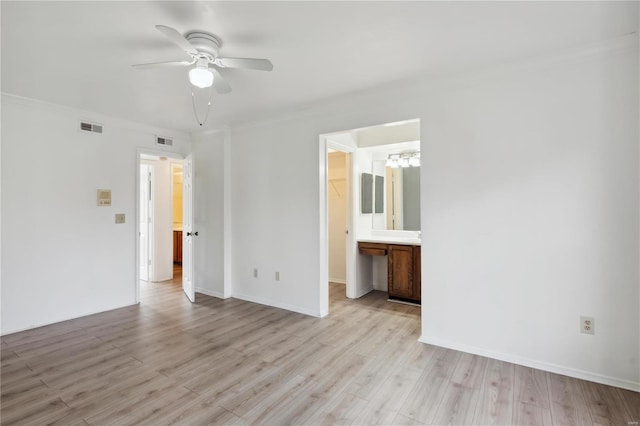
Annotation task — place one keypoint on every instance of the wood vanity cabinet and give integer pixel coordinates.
(403, 261)
(177, 247)
(404, 272)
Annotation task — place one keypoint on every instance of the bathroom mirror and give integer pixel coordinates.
(366, 193)
(400, 198)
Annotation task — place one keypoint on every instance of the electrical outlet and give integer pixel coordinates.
(587, 325)
(255, 272)
(119, 217)
(277, 276)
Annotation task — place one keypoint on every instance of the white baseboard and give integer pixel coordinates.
(540, 365)
(364, 291)
(276, 304)
(86, 314)
(338, 280)
(210, 292)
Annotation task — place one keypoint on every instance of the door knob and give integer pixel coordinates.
(189, 234)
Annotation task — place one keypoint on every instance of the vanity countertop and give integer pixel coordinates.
(407, 241)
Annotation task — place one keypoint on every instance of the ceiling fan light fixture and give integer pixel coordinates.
(201, 77)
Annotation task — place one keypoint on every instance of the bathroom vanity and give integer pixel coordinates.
(403, 262)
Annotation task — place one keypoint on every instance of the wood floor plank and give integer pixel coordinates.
(469, 371)
(495, 402)
(202, 414)
(424, 400)
(390, 396)
(568, 403)
(168, 361)
(605, 405)
(342, 409)
(458, 405)
(531, 415)
(632, 402)
(531, 387)
(400, 420)
(34, 411)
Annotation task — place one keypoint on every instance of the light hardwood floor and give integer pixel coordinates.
(167, 361)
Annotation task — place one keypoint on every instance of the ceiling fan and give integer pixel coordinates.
(204, 48)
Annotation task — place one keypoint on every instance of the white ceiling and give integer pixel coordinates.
(80, 54)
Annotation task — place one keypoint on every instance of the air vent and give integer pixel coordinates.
(164, 141)
(90, 127)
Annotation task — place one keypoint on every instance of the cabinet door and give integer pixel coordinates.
(417, 275)
(175, 246)
(401, 271)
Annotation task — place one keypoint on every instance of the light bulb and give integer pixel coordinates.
(201, 77)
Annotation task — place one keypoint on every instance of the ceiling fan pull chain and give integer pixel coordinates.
(195, 112)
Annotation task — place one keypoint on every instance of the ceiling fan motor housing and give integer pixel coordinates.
(204, 42)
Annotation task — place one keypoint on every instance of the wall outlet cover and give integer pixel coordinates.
(119, 217)
(587, 325)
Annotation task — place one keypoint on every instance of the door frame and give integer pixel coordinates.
(150, 222)
(325, 144)
(139, 153)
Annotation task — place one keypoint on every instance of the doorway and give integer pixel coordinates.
(161, 208)
(337, 190)
(383, 209)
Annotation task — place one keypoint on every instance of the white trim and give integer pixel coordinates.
(211, 293)
(540, 365)
(64, 319)
(227, 216)
(350, 280)
(279, 305)
(323, 237)
(363, 292)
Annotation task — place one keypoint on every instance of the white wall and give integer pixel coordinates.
(209, 254)
(62, 256)
(529, 208)
(337, 195)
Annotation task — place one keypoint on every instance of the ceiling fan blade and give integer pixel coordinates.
(219, 83)
(162, 65)
(249, 63)
(173, 35)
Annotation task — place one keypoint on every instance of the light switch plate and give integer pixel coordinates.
(119, 217)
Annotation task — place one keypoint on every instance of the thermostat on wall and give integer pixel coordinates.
(104, 197)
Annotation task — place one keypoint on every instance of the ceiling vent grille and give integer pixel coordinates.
(164, 141)
(86, 126)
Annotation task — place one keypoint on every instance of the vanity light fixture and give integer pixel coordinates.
(414, 159)
(411, 159)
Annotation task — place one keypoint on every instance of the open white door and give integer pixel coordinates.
(187, 228)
